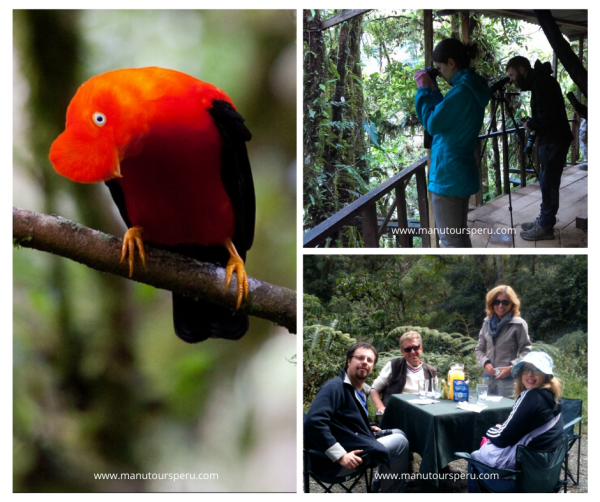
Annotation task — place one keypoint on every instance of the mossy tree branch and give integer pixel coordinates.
(164, 270)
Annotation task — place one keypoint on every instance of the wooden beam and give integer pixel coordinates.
(369, 221)
(387, 219)
(580, 39)
(424, 214)
(428, 35)
(465, 34)
(402, 240)
(465, 26)
(567, 57)
(429, 222)
(531, 18)
(343, 16)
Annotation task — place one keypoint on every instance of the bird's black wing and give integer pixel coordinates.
(118, 196)
(235, 172)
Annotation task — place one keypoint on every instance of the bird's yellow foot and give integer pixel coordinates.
(131, 240)
(236, 264)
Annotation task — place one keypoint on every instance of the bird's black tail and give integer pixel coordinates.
(195, 321)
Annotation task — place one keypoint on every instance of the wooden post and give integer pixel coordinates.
(428, 42)
(522, 163)
(424, 208)
(369, 226)
(575, 142)
(477, 199)
(465, 35)
(402, 240)
(485, 173)
(575, 130)
(465, 32)
(580, 59)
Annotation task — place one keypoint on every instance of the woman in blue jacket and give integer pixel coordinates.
(454, 121)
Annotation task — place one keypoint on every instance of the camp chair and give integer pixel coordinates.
(572, 412)
(328, 482)
(536, 471)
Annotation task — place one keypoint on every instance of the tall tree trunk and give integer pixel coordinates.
(353, 134)
(332, 151)
(312, 113)
(345, 142)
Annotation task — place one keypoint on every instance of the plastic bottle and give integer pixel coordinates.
(456, 372)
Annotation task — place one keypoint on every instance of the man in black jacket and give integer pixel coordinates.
(337, 424)
(551, 126)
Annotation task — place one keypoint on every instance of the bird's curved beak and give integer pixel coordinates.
(117, 171)
(76, 157)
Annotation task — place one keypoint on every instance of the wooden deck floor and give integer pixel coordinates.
(495, 216)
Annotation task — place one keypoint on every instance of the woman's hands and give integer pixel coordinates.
(423, 79)
(504, 370)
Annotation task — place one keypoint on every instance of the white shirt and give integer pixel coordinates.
(413, 375)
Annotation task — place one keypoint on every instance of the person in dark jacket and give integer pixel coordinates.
(401, 375)
(553, 136)
(454, 121)
(337, 424)
(536, 413)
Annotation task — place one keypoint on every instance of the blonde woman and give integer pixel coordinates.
(503, 340)
(535, 420)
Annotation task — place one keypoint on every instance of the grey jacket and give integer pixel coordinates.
(512, 344)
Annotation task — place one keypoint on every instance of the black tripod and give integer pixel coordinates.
(499, 99)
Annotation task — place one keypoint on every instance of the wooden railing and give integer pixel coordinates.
(366, 206)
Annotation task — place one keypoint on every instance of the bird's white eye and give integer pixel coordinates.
(99, 119)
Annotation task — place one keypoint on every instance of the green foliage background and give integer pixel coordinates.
(101, 383)
(377, 298)
(392, 43)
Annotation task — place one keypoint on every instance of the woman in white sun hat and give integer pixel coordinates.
(535, 419)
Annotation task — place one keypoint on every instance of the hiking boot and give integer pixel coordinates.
(538, 233)
(529, 225)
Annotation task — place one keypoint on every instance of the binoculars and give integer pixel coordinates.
(433, 72)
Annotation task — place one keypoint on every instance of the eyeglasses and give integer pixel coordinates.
(362, 358)
(533, 371)
(410, 349)
(506, 303)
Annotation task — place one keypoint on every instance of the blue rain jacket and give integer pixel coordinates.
(454, 121)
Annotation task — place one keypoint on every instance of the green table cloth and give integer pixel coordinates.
(436, 431)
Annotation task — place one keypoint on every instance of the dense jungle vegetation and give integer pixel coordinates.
(360, 125)
(377, 298)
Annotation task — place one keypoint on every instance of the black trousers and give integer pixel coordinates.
(553, 157)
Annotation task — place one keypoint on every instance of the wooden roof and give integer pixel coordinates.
(572, 22)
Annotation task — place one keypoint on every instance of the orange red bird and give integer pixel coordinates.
(172, 150)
